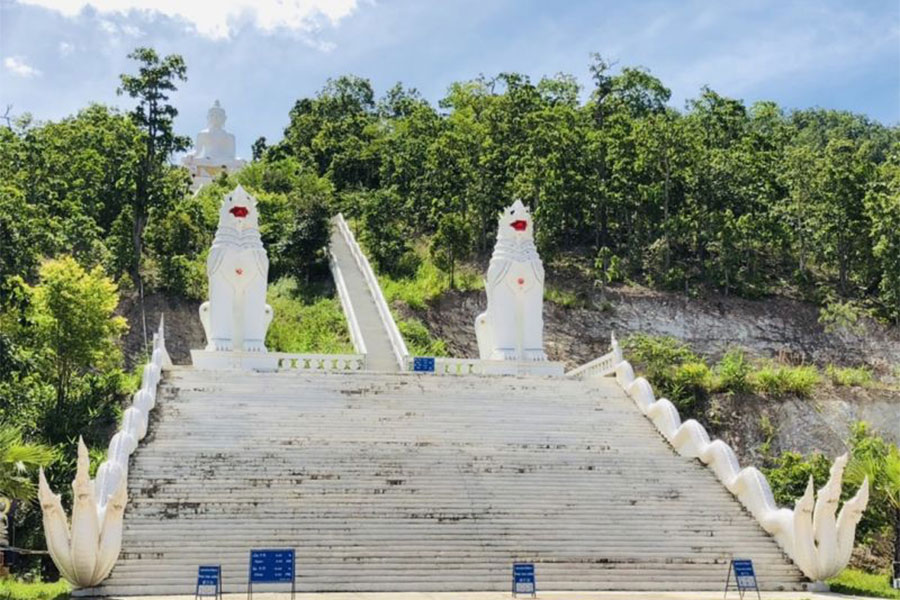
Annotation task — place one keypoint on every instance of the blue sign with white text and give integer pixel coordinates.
(209, 581)
(423, 364)
(744, 574)
(272, 566)
(523, 579)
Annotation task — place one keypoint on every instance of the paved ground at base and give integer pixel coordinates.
(507, 596)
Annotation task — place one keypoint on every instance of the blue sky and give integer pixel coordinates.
(259, 56)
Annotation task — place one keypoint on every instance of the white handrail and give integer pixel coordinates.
(352, 322)
(401, 354)
(820, 546)
(602, 366)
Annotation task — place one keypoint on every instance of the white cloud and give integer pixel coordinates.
(215, 19)
(17, 66)
(65, 48)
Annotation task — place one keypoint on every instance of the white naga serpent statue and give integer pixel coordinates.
(819, 543)
(86, 553)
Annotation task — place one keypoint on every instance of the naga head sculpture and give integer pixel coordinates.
(515, 223)
(238, 211)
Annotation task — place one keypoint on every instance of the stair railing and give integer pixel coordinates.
(602, 366)
(86, 553)
(401, 354)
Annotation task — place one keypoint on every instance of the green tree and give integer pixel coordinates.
(73, 315)
(304, 244)
(154, 116)
(382, 235)
(883, 210)
(451, 243)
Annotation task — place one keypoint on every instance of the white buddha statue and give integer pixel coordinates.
(214, 142)
(214, 151)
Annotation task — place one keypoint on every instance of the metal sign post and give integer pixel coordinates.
(523, 579)
(744, 577)
(272, 566)
(209, 577)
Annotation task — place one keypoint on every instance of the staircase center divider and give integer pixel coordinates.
(401, 354)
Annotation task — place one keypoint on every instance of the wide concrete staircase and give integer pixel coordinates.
(402, 482)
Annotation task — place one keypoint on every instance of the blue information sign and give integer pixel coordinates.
(271, 566)
(209, 581)
(423, 364)
(744, 576)
(523, 579)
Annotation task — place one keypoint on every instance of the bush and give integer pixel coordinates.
(12, 589)
(734, 372)
(859, 583)
(672, 368)
(781, 381)
(428, 283)
(419, 341)
(306, 320)
(849, 376)
(690, 383)
(656, 354)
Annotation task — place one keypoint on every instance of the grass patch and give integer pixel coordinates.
(13, 589)
(733, 372)
(427, 283)
(418, 340)
(779, 381)
(849, 376)
(563, 298)
(307, 320)
(860, 583)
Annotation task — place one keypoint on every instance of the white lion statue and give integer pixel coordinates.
(236, 316)
(512, 327)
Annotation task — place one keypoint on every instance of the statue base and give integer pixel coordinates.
(208, 360)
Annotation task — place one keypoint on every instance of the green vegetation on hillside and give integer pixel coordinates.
(306, 321)
(748, 200)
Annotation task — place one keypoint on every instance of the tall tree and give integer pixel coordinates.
(153, 84)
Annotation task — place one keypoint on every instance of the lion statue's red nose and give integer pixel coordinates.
(519, 225)
(239, 211)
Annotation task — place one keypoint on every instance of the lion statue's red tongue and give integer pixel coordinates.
(239, 211)
(519, 225)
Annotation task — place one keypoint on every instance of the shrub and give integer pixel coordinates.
(14, 589)
(656, 354)
(779, 381)
(849, 376)
(859, 583)
(427, 283)
(306, 320)
(734, 372)
(419, 341)
(672, 368)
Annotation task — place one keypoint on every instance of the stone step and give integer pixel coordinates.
(420, 483)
